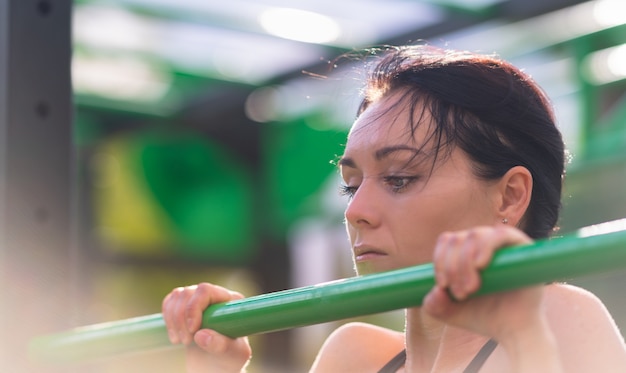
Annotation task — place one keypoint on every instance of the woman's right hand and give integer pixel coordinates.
(207, 350)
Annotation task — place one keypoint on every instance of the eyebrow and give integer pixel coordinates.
(386, 151)
(380, 154)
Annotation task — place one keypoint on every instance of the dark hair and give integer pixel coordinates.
(487, 107)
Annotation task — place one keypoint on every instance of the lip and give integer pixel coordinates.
(365, 252)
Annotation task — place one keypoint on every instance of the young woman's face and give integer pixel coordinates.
(398, 202)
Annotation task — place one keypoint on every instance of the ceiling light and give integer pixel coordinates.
(262, 104)
(119, 78)
(113, 28)
(300, 25)
(609, 13)
(606, 66)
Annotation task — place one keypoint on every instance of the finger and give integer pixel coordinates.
(211, 341)
(172, 306)
(236, 295)
(438, 303)
(503, 236)
(166, 311)
(468, 270)
(481, 244)
(179, 315)
(453, 267)
(218, 344)
(440, 258)
(205, 294)
(204, 339)
(232, 354)
(451, 295)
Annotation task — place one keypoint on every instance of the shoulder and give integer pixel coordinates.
(585, 331)
(358, 347)
(571, 303)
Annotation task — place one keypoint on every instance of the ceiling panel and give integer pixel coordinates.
(136, 50)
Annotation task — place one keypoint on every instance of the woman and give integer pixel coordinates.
(452, 156)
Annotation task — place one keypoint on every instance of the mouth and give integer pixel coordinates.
(362, 253)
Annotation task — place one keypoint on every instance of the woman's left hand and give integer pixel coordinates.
(458, 259)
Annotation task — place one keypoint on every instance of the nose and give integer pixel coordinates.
(362, 208)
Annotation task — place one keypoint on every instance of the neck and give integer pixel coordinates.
(434, 345)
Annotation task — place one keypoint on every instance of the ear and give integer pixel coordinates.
(515, 190)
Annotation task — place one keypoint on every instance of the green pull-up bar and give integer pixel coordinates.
(589, 250)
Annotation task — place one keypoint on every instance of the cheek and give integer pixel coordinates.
(420, 221)
(473, 209)
(350, 231)
(416, 231)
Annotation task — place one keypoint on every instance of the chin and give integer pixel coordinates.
(369, 267)
(363, 269)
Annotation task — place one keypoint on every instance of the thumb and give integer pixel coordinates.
(210, 341)
(438, 303)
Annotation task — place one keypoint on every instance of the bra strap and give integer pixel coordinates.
(480, 358)
(474, 366)
(394, 364)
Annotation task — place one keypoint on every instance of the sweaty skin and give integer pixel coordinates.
(406, 208)
(403, 210)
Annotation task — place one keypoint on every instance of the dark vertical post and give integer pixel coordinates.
(36, 259)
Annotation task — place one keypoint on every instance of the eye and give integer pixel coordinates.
(347, 190)
(399, 183)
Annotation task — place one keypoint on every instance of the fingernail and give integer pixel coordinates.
(441, 280)
(203, 338)
(189, 324)
(172, 336)
(460, 292)
(431, 303)
(427, 297)
(451, 295)
(181, 338)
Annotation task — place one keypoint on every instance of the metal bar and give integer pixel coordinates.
(36, 175)
(589, 250)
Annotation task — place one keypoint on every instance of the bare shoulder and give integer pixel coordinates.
(358, 347)
(585, 331)
(568, 303)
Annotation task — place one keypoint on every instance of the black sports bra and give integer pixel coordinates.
(474, 366)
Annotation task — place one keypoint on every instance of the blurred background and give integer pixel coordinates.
(203, 134)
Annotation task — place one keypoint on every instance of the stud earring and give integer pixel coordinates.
(505, 221)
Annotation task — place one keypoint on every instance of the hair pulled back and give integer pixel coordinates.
(488, 108)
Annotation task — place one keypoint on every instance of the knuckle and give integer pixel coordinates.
(472, 233)
(469, 252)
(476, 234)
(445, 238)
(170, 300)
(452, 266)
(236, 295)
(189, 308)
(438, 255)
(203, 289)
(204, 286)
(166, 301)
(220, 346)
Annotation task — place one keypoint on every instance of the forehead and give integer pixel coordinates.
(390, 121)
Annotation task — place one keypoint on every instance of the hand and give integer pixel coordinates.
(207, 350)
(458, 259)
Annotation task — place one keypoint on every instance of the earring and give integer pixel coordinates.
(505, 221)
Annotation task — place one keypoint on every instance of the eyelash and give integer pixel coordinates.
(347, 191)
(390, 181)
